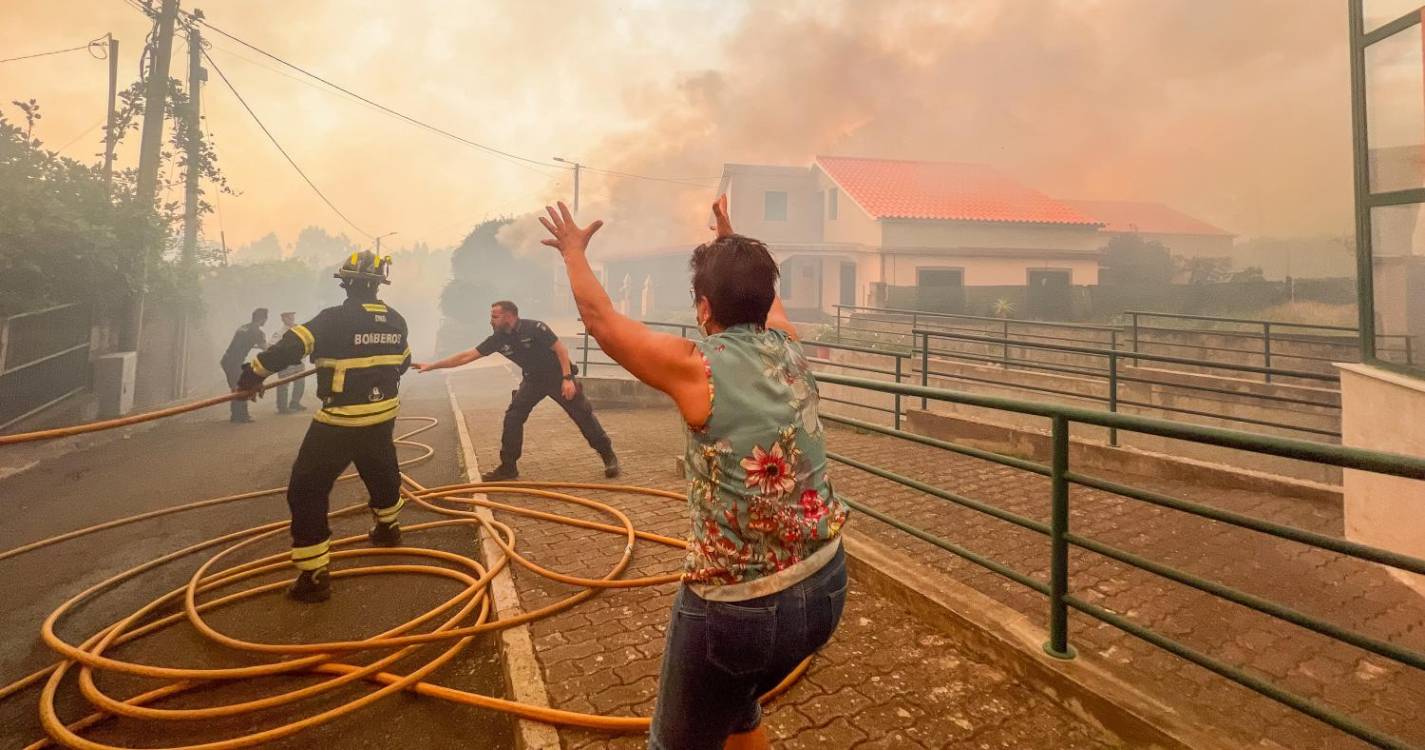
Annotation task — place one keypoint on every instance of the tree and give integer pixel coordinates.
(1131, 260)
(1204, 270)
(264, 249)
(316, 247)
(483, 270)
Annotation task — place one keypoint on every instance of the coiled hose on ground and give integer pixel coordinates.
(460, 618)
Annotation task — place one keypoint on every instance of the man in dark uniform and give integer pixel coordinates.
(544, 363)
(247, 337)
(360, 350)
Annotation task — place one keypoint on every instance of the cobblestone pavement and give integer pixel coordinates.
(887, 680)
(1357, 595)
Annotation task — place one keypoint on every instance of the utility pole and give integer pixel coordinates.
(196, 76)
(194, 147)
(577, 166)
(110, 137)
(150, 152)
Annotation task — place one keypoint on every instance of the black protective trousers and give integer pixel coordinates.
(527, 396)
(325, 453)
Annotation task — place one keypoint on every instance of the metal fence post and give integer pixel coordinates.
(1113, 339)
(585, 368)
(1058, 645)
(1134, 317)
(1409, 360)
(1113, 396)
(1006, 343)
(898, 395)
(1267, 348)
(924, 367)
(838, 323)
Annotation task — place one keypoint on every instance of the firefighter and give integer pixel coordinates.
(360, 350)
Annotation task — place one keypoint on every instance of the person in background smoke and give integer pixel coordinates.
(289, 395)
(764, 582)
(246, 338)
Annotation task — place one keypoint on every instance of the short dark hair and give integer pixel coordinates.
(739, 278)
(507, 306)
(260, 312)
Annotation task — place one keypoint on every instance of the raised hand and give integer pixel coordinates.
(568, 237)
(723, 223)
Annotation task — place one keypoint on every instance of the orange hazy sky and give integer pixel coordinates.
(1234, 110)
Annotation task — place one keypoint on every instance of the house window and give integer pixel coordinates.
(774, 205)
(831, 204)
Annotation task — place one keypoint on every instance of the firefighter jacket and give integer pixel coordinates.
(360, 350)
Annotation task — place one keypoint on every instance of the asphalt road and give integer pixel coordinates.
(199, 456)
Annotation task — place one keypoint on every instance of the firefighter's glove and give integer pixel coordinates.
(250, 383)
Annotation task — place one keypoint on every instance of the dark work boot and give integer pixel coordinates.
(311, 586)
(385, 534)
(501, 473)
(611, 467)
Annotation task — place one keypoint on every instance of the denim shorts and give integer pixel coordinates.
(721, 656)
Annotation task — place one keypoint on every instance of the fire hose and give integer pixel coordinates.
(212, 586)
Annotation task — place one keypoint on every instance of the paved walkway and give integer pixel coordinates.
(887, 680)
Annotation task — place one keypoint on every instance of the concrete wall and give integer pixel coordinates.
(985, 270)
(1385, 411)
(906, 233)
(852, 224)
(747, 186)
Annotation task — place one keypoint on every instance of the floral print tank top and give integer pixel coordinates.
(760, 497)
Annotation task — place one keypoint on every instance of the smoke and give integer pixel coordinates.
(1237, 112)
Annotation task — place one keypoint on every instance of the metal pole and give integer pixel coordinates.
(1267, 348)
(110, 137)
(1409, 360)
(1113, 396)
(924, 367)
(1058, 645)
(1365, 270)
(577, 167)
(898, 396)
(838, 323)
(1006, 344)
(585, 368)
(1134, 316)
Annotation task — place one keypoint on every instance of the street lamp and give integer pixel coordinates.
(577, 166)
(378, 241)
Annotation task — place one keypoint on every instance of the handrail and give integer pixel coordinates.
(1061, 539)
(1303, 374)
(961, 316)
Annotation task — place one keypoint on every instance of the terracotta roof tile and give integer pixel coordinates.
(890, 189)
(1145, 217)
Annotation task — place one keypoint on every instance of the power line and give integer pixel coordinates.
(76, 138)
(285, 155)
(91, 43)
(692, 181)
(382, 107)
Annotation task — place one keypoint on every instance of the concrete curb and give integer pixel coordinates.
(523, 678)
(1086, 686)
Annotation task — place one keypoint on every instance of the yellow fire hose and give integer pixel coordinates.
(465, 615)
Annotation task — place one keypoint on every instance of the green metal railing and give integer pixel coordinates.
(854, 320)
(1113, 375)
(1062, 538)
(1367, 197)
(684, 330)
(1346, 339)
